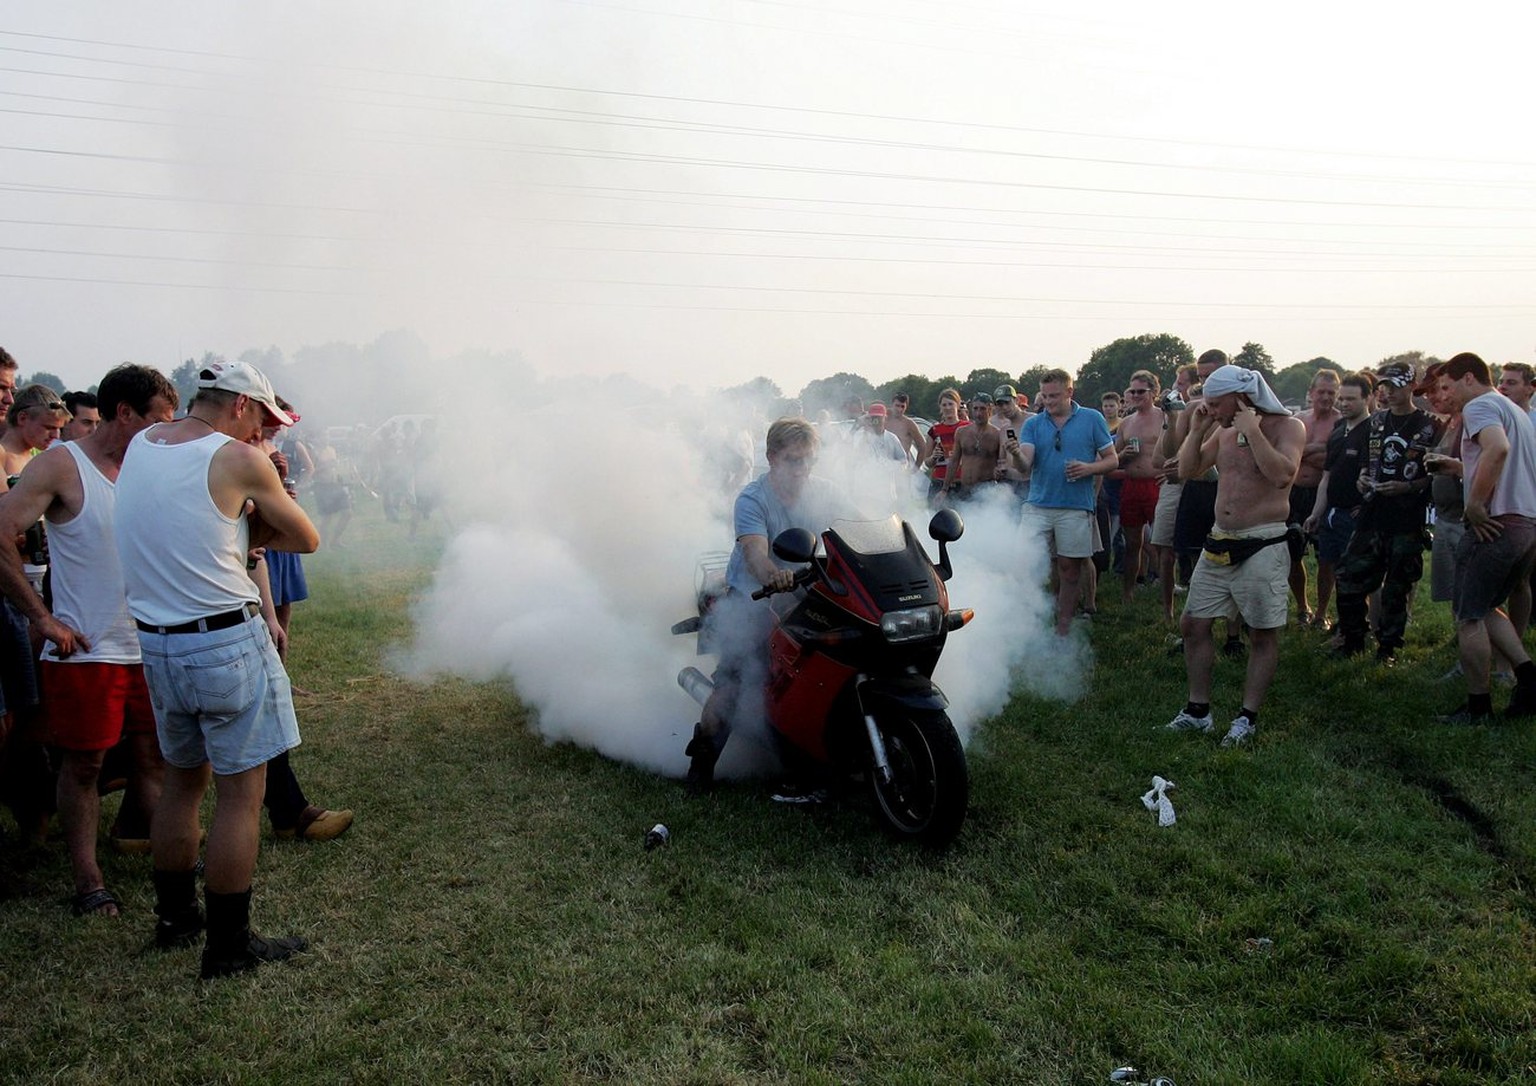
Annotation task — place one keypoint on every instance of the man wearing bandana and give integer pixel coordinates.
(1387, 549)
(1240, 428)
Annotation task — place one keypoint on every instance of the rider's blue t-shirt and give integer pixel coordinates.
(1083, 434)
(760, 512)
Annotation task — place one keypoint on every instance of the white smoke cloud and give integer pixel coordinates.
(581, 526)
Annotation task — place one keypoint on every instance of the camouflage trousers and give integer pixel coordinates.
(1390, 561)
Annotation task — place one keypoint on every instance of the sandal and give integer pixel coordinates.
(92, 902)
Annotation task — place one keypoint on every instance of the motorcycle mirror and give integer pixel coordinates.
(946, 526)
(795, 545)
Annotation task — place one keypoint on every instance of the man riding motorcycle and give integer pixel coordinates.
(787, 496)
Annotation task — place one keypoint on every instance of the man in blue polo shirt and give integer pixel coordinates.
(1062, 449)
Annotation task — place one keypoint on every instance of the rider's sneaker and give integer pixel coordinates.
(1241, 731)
(1186, 723)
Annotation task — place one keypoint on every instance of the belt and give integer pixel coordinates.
(206, 625)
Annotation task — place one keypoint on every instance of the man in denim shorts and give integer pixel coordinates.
(193, 499)
(1498, 465)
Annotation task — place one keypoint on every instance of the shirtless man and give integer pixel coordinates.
(1175, 426)
(1241, 429)
(1319, 418)
(907, 432)
(1008, 415)
(977, 449)
(1136, 448)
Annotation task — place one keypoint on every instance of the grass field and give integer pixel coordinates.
(493, 917)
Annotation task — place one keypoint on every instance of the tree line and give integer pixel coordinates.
(328, 378)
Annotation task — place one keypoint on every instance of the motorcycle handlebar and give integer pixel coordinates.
(802, 577)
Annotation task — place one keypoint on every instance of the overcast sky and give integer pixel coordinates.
(703, 191)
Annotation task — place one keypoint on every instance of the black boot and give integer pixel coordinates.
(232, 946)
(705, 752)
(181, 921)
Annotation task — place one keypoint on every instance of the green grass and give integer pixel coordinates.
(492, 915)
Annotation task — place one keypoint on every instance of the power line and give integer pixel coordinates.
(806, 110)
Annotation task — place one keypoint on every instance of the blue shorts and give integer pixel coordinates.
(220, 697)
(286, 574)
(1334, 534)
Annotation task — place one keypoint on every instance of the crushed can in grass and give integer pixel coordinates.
(657, 836)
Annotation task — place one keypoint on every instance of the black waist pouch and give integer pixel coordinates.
(1234, 552)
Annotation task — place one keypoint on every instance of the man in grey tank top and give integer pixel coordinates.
(193, 498)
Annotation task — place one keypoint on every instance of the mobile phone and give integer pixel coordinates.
(1011, 435)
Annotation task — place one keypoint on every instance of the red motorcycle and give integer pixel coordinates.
(851, 658)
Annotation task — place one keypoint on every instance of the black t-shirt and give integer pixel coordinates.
(1348, 450)
(1397, 447)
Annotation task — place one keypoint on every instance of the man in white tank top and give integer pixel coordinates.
(193, 498)
(93, 684)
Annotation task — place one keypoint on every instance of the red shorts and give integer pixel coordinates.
(1138, 502)
(91, 706)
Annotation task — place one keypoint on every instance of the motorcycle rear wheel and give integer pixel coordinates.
(926, 797)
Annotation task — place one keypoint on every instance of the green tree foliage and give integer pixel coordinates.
(184, 376)
(1291, 384)
(831, 393)
(1109, 368)
(1417, 359)
(985, 379)
(1253, 356)
(1029, 381)
(43, 377)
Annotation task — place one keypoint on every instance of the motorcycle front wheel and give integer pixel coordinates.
(926, 797)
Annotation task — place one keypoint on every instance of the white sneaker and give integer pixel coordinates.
(1186, 723)
(1242, 730)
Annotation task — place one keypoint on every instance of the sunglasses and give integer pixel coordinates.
(1058, 441)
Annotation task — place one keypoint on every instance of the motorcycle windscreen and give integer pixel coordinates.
(885, 557)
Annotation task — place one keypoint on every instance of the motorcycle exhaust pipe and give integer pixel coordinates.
(696, 683)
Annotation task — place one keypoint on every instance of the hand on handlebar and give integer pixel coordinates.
(784, 580)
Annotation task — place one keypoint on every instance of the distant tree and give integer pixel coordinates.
(985, 380)
(268, 361)
(184, 376)
(923, 392)
(1029, 381)
(1417, 359)
(1291, 384)
(1253, 356)
(830, 393)
(43, 377)
(1109, 368)
(759, 394)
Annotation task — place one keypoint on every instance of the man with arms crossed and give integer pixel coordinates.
(1062, 449)
(193, 499)
(1240, 428)
(92, 681)
(977, 449)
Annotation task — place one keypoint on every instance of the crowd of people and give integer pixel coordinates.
(1216, 491)
(147, 601)
(145, 619)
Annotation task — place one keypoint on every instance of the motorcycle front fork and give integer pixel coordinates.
(882, 762)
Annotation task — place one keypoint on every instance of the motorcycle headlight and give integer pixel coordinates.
(913, 625)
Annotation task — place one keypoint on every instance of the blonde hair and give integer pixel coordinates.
(791, 431)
